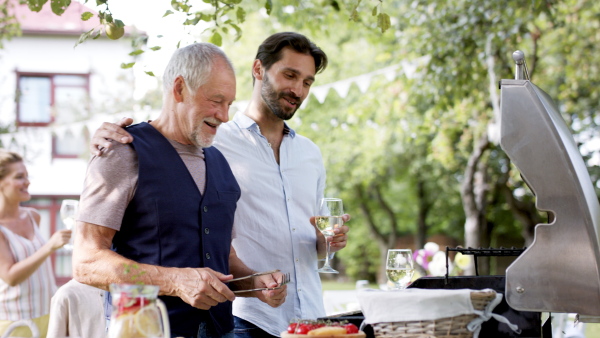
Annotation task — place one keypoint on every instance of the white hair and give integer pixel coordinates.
(194, 64)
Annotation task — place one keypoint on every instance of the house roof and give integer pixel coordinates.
(46, 22)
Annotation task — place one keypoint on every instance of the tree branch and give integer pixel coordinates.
(362, 196)
(394, 233)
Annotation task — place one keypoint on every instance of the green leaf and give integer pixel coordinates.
(192, 22)
(383, 22)
(36, 5)
(86, 16)
(108, 18)
(119, 23)
(269, 6)
(216, 39)
(149, 73)
(180, 6)
(84, 37)
(59, 6)
(136, 52)
(155, 48)
(354, 15)
(374, 12)
(238, 31)
(100, 2)
(240, 14)
(206, 17)
(127, 65)
(168, 12)
(97, 35)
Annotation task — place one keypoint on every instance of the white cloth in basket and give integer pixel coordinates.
(414, 304)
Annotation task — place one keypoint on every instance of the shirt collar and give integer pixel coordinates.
(245, 122)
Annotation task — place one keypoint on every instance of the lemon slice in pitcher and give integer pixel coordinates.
(122, 326)
(147, 321)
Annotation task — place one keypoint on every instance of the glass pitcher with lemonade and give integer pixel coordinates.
(137, 312)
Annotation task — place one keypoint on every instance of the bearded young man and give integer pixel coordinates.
(281, 176)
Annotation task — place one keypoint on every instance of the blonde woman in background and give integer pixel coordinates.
(26, 277)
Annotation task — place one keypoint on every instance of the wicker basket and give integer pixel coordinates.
(455, 327)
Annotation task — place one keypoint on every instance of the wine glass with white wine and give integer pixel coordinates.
(68, 212)
(328, 217)
(399, 267)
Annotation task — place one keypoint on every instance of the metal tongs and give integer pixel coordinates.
(286, 279)
(253, 275)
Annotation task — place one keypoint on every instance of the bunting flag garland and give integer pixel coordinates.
(20, 138)
(363, 81)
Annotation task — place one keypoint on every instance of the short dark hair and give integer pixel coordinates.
(270, 51)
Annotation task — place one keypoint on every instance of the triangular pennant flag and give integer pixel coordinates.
(390, 75)
(5, 139)
(321, 93)
(363, 82)
(342, 87)
(60, 130)
(409, 69)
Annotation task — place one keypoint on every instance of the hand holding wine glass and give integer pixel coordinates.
(399, 267)
(328, 217)
(68, 212)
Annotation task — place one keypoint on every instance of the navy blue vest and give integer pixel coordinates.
(169, 223)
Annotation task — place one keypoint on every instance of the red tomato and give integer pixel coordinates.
(303, 329)
(292, 327)
(351, 328)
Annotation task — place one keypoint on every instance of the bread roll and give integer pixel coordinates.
(327, 331)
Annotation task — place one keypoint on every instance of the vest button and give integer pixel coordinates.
(206, 231)
(205, 208)
(207, 255)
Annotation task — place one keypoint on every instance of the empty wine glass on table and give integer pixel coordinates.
(328, 217)
(399, 267)
(68, 212)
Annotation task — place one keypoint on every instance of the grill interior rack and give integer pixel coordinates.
(480, 252)
(559, 271)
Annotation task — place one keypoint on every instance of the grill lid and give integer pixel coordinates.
(559, 271)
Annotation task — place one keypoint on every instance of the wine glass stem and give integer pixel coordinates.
(327, 243)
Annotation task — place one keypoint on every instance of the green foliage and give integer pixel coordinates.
(9, 26)
(86, 16)
(59, 6)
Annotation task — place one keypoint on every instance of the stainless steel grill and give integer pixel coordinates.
(559, 271)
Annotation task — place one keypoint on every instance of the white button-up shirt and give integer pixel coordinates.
(271, 227)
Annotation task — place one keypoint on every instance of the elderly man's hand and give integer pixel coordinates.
(202, 288)
(110, 131)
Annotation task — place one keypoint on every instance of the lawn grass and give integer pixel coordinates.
(592, 330)
(333, 285)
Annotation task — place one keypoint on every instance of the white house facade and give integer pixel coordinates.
(52, 95)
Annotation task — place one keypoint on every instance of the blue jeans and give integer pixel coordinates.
(203, 332)
(245, 329)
